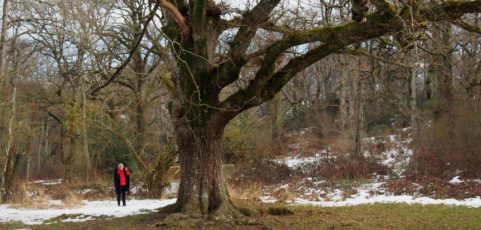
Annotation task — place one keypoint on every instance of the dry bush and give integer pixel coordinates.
(67, 192)
(439, 188)
(451, 144)
(72, 199)
(347, 167)
(262, 171)
(284, 195)
(401, 187)
(33, 196)
(324, 125)
(248, 137)
(249, 193)
(159, 176)
(342, 143)
(311, 197)
(30, 196)
(98, 187)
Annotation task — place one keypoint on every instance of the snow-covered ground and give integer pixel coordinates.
(397, 156)
(365, 198)
(88, 211)
(296, 161)
(392, 151)
(369, 194)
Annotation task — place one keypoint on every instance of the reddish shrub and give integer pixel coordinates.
(450, 145)
(263, 171)
(348, 167)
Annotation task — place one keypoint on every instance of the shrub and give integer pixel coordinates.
(246, 137)
(262, 171)
(450, 145)
(160, 173)
(348, 167)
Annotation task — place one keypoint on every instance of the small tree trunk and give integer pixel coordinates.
(276, 120)
(413, 96)
(441, 66)
(140, 126)
(357, 89)
(8, 173)
(3, 39)
(85, 144)
(343, 115)
(428, 86)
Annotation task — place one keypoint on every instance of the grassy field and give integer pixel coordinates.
(378, 216)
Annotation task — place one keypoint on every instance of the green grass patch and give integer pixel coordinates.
(377, 216)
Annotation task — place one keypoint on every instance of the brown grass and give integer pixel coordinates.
(34, 196)
(249, 193)
(284, 195)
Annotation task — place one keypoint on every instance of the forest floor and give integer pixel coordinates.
(313, 173)
(311, 179)
(376, 216)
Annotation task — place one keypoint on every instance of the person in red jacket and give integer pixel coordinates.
(121, 182)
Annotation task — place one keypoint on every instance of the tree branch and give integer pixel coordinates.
(178, 18)
(249, 24)
(136, 45)
(266, 83)
(365, 54)
(386, 21)
(467, 26)
(450, 10)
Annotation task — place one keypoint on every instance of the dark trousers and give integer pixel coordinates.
(121, 194)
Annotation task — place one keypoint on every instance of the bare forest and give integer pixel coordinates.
(224, 108)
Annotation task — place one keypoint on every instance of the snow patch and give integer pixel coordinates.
(88, 211)
(48, 182)
(455, 180)
(268, 199)
(296, 162)
(371, 193)
(365, 198)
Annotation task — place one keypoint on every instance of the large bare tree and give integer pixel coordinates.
(202, 72)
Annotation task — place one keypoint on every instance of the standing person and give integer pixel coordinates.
(122, 182)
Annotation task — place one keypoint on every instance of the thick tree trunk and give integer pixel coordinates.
(202, 188)
(139, 74)
(74, 163)
(77, 160)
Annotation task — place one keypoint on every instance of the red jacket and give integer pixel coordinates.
(121, 179)
(123, 174)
